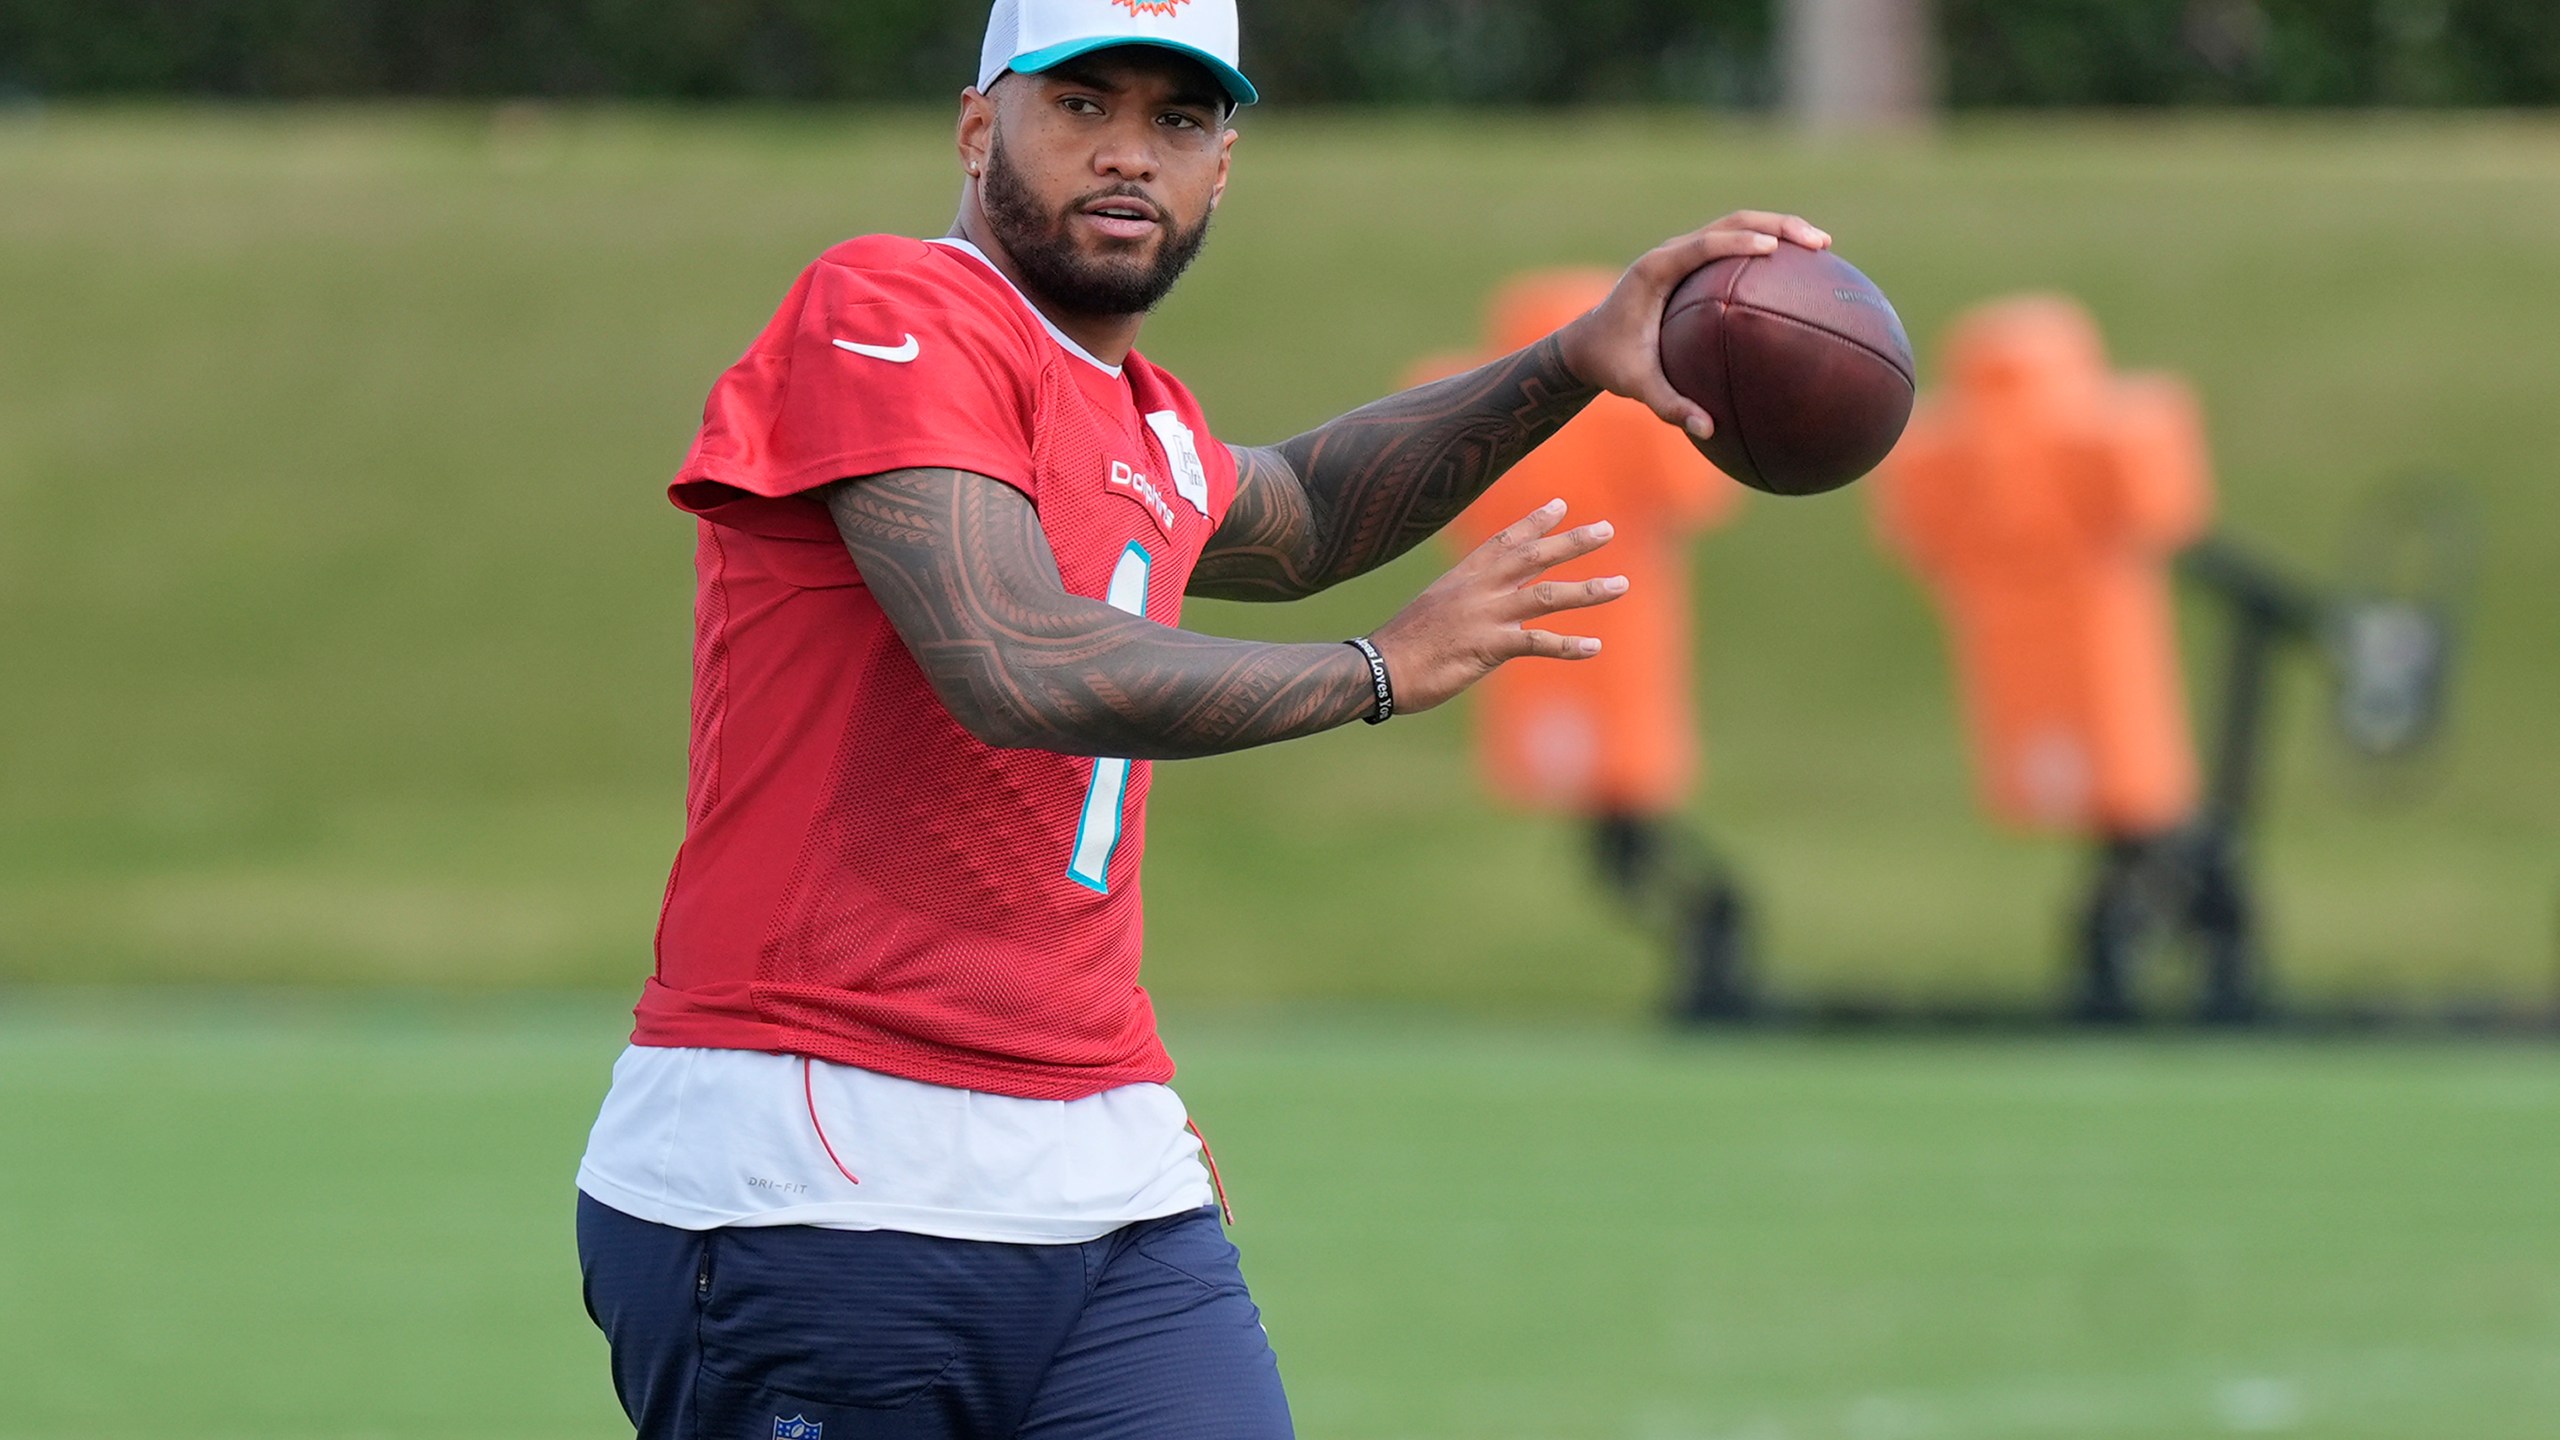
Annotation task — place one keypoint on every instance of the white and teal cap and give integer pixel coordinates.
(1032, 35)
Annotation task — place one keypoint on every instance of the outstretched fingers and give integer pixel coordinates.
(1476, 617)
(1549, 596)
(1526, 552)
(1536, 598)
(1547, 645)
(1518, 557)
(1513, 542)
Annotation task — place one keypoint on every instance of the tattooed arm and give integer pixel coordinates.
(1354, 494)
(959, 563)
(1361, 490)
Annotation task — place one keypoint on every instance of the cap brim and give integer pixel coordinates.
(1032, 62)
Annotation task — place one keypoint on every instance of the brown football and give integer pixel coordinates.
(1801, 361)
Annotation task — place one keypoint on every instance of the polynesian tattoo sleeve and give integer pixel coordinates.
(962, 568)
(1359, 491)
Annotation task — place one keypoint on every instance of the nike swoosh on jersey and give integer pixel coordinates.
(898, 354)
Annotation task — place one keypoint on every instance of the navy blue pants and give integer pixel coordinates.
(797, 1333)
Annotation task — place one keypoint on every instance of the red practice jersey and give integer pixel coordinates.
(862, 881)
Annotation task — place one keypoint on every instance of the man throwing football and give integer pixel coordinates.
(891, 1153)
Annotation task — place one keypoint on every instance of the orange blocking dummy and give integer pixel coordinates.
(2042, 498)
(1615, 735)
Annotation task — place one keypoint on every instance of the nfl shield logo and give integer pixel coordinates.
(798, 1428)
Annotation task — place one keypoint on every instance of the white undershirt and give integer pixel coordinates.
(703, 1138)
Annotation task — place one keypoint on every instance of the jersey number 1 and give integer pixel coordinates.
(1098, 832)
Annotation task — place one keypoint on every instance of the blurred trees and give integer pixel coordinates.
(1997, 52)
(2278, 52)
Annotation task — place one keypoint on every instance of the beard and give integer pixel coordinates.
(1046, 252)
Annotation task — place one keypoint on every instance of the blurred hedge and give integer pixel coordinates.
(2280, 52)
(1999, 52)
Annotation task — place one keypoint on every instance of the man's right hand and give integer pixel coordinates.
(1476, 616)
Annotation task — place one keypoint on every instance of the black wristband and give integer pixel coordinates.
(1386, 692)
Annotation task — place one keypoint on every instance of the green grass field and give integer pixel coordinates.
(271, 1219)
(346, 623)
